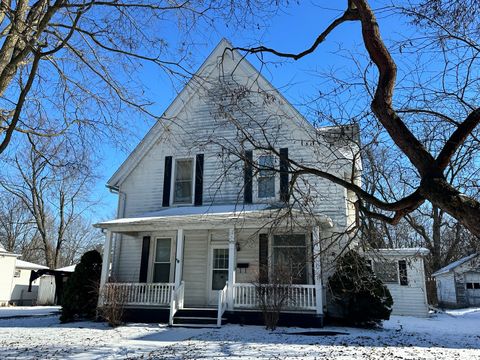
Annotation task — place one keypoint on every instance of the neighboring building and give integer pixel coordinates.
(15, 279)
(7, 271)
(403, 271)
(458, 284)
(48, 292)
(194, 232)
(20, 295)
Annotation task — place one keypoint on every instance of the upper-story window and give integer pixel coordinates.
(183, 181)
(266, 176)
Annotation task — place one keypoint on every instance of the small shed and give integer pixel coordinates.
(7, 271)
(402, 270)
(458, 284)
(15, 279)
(21, 295)
(50, 290)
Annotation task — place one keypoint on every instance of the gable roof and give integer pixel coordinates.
(454, 265)
(182, 99)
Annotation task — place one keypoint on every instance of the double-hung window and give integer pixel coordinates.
(161, 265)
(183, 185)
(290, 258)
(266, 176)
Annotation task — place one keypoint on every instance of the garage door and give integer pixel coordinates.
(472, 286)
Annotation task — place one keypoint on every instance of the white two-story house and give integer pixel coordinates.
(207, 205)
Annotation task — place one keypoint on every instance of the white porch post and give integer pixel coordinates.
(179, 259)
(107, 253)
(232, 252)
(317, 269)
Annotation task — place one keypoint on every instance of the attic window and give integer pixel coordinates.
(183, 186)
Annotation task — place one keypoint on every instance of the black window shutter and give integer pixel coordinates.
(263, 258)
(284, 174)
(248, 177)
(167, 181)
(144, 260)
(199, 180)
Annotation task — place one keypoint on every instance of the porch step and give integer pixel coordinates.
(195, 325)
(196, 320)
(197, 312)
(196, 317)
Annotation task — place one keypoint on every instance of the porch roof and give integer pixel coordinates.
(196, 217)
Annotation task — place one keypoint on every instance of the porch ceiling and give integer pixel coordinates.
(215, 216)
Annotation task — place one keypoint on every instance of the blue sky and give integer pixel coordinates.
(292, 30)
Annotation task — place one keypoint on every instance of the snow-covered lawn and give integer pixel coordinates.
(446, 336)
(21, 311)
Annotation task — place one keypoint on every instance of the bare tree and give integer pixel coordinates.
(428, 226)
(16, 231)
(398, 118)
(52, 182)
(79, 237)
(69, 68)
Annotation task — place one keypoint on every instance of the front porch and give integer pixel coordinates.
(209, 262)
(298, 299)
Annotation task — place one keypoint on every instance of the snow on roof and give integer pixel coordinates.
(405, 251)
(70, 268)
(400, 251)
(28, 265)
(4, 252)
(454, 264)
(193, 214)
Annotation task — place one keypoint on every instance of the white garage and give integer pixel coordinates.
(458, 284)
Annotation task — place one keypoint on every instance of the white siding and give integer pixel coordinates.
(199, 126)
(20, 294)
(128, 259)
(249, 253)
(446, 292)
(7, 269)
(410, 299)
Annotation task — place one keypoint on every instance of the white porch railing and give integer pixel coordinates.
(222, 304)
(138, 293)
(176, 302)
(299, 297)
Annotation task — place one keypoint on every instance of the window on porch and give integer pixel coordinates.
(161, 265)
(290, 258)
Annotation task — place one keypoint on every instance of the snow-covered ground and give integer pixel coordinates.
(455, 335)
(19, 311)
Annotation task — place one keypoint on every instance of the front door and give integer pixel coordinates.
(218, 272)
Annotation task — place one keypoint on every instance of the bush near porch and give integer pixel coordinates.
(363, 300)
(81, 290)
